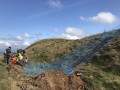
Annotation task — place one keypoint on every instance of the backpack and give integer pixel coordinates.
(25, 56)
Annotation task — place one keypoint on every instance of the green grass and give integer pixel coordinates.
(103, 73)
(51, 49)
(8, 76)
(4, 81)
(98, 79)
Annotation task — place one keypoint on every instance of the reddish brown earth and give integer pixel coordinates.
(52, 80)
(57, 80)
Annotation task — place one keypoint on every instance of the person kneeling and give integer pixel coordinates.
(14, 60)
(25, 58)
(20, 58)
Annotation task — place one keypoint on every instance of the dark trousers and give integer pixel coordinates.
(4, 59)
(8, 59)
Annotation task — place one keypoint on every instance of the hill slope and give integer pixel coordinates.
(102, 72)
(50, 49)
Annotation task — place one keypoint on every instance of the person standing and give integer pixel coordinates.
(8, 54)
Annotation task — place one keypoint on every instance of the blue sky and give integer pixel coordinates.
(23, 22)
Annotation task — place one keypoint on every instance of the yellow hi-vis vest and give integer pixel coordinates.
(20, 57)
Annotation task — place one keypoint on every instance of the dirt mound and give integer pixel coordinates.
(51, 80)
(57, 80)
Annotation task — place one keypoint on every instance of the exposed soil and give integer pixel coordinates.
(52, 80)
(57, 80)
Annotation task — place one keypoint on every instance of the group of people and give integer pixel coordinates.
(20, 57)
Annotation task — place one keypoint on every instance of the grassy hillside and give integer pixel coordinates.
(103, 73)
(104, 70)
(50, 49)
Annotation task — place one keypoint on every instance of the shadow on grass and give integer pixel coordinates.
(111, 86)
(115, 69)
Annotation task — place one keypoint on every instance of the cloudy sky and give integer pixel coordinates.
(22, 22)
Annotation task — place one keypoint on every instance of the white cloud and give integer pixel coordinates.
(15, 42)
(26, 35)
(67, 36)
(11, 38)
(18, 38)
(7, 44)
(55, 3)
(26, 43)
(74, 31)
(102, 17)
(4, 44)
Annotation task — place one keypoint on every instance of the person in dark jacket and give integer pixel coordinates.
(4, 54)
(8, 55)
